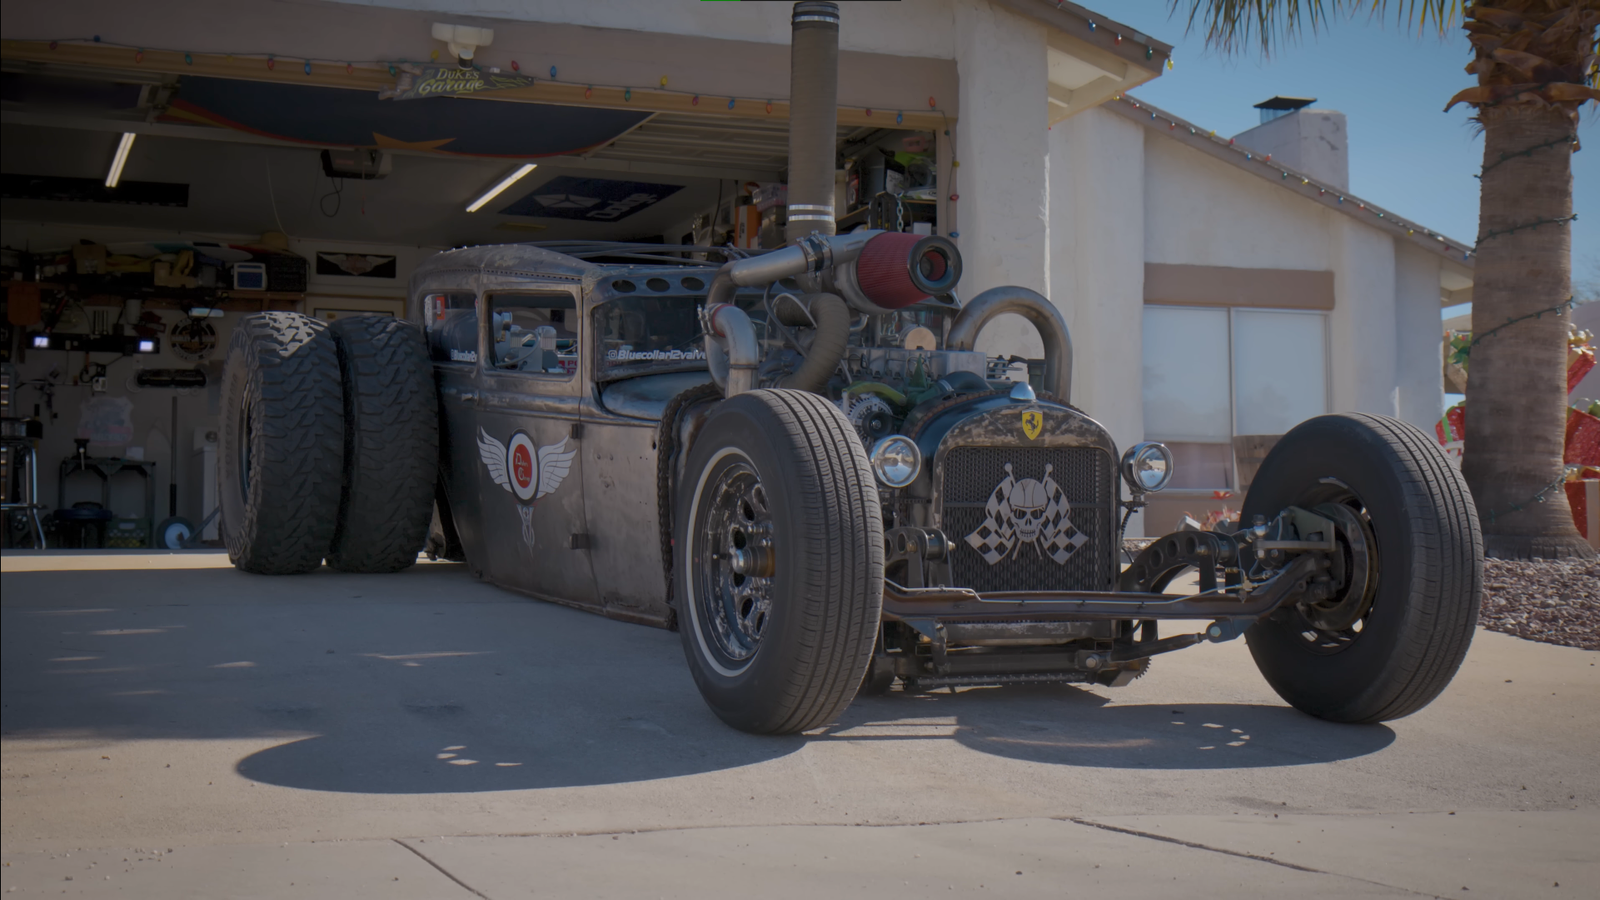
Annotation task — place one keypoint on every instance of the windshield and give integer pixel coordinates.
(648, 334)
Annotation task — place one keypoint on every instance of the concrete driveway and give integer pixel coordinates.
(173, 728)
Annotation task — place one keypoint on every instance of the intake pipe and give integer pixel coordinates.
(831, 319)
(813, 117)
(732, 351)
(1030, 305)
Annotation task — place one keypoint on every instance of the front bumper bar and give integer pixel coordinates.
(948, 604)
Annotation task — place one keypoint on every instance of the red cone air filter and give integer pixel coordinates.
(896, 270)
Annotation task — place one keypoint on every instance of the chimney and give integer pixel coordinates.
(1312, 141)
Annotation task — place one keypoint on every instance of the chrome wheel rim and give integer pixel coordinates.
(734, 564)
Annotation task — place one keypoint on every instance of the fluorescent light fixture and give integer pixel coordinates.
(120, 160)
(147, 346)
(41, 342)
(495, 191)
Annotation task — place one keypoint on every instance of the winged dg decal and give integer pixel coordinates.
(523, 470)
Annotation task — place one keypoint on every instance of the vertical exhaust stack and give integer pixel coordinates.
(813, 117)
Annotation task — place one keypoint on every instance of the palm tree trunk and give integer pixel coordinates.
(1517, 389)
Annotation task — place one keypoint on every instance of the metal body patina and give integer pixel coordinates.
(1003, 553)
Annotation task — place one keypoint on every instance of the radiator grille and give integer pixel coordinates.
(1084, 476)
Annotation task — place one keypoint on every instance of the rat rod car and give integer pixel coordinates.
(798, 460)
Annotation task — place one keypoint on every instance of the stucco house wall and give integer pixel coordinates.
(1097, 246)
(1200, 211)
(1124, 196)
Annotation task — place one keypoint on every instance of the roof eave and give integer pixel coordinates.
(1107, 56)
(1455, 254)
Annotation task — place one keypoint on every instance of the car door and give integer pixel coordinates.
(529, 468)
(647, 350)
(450, 320)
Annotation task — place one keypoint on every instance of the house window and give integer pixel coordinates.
(1211, 373)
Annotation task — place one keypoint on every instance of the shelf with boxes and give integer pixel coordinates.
(90, 291)
(187, 299)
(894, 212)
(170, 265)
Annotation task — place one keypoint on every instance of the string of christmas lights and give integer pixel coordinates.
(1571, 139)
(1561, 220)
(1459, 357)
(1536, 498)
(393, 67)
(1411, 228)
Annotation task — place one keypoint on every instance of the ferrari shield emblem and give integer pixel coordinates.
(1032, 423)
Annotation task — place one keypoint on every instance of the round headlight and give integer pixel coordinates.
(1147, 467)
(896, 460)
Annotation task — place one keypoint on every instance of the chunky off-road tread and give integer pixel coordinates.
(835, 561)
(282, 372)
(391, 448)
(1431, 552)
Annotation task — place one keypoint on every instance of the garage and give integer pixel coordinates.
(152, 197)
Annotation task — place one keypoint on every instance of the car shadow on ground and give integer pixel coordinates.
(1069, 726)
(421, 682)
(427, 682)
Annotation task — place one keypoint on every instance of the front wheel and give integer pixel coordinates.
(779, 561)
(1410, 562)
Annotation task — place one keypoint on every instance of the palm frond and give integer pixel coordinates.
(1232, 25)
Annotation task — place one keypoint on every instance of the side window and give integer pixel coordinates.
(534, 333)
(451, 320)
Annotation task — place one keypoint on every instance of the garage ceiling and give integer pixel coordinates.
(712, 143)
(240, 188)
(65, 122)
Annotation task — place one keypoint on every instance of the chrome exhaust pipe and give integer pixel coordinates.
(813, 118)
(1035, 308)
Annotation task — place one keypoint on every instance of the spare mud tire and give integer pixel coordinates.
(779, 543)
(391, 444)
(281, 451)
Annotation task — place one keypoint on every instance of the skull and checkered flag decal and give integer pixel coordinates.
(997, 535)
(1027, 511)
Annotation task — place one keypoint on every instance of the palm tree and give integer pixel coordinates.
(1536, 67)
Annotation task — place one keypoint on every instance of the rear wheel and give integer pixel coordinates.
(391, 452)
(282, 444)
(779, 543)
(1410, 560)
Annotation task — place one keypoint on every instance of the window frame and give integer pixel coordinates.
(1232, 312)
(486, 361)
(427, 332)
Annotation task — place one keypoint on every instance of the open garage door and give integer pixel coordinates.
(237, 195)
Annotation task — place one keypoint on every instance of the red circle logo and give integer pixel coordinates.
(522, 466)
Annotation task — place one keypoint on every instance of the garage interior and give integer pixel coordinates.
(235, 195)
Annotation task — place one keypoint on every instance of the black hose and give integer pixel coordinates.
(827, 345)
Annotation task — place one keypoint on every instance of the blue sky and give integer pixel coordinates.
(1392, 83)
